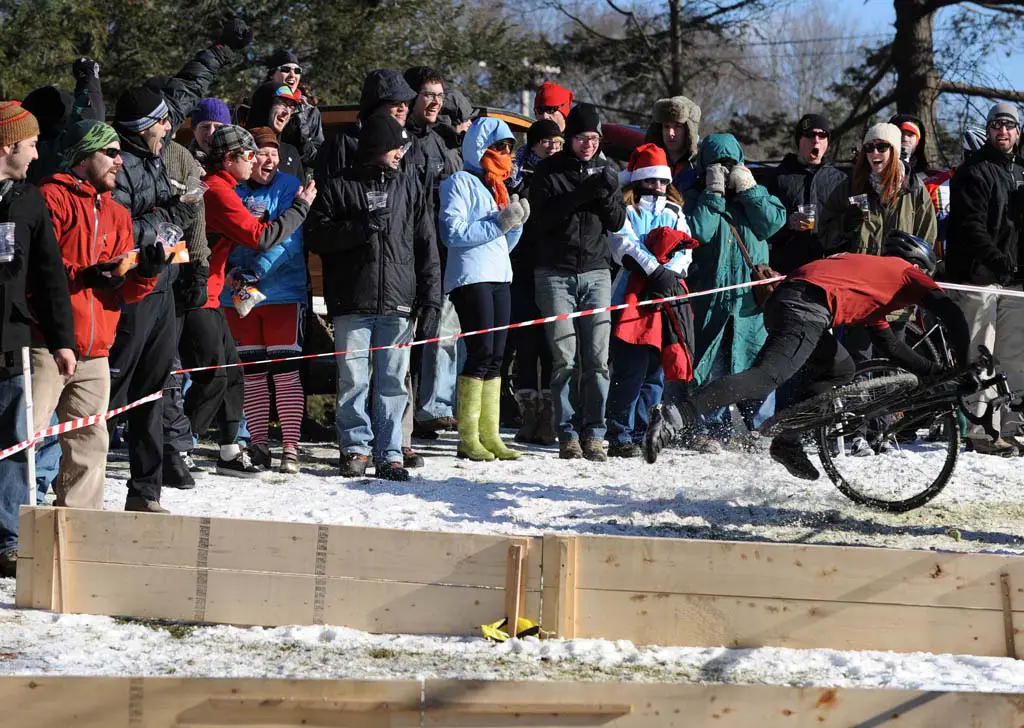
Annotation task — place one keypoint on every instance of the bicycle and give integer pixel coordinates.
(893, 407)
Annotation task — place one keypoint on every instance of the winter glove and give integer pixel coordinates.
(525, 204)
(428, 323)
(100, 276)
(236, 34)
(85, 68)
(853, 218)
(193, 291)
(152, 261)
(512, 216)
(741, 179)
(714, 179)
(662, 283)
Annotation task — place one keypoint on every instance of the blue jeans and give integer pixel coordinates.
(48, 456)
(439, 369)
(13, 470)
(637, 384)
(376, 429)
(559, 293)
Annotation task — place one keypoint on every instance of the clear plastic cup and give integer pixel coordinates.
(809, 213)
(861, 201)
(168, 234)
(194, 191)
(7, 242)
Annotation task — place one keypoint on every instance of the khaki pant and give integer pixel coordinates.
(996, 322)
(83, 462)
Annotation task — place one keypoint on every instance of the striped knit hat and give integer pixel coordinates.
(16, 124)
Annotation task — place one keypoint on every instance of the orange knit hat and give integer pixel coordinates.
(16, 124)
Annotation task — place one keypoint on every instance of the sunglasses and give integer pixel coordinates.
(547, 109)
(297, 70)
(505, 145)
(877, 147)
(111, 152)
(815, 135)
(1003, 124)
(247, 155)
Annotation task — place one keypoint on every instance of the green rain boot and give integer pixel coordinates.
(490, 417)
(469, 395)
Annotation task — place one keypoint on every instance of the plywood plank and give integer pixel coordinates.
(26, 543)
(291, 548)
(44, 555)
(679, 619)
(841, 573)
(255, 598)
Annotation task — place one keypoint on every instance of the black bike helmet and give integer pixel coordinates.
(912, 249)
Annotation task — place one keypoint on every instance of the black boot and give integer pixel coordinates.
(176, 474)
(667, 424)
(790, 455)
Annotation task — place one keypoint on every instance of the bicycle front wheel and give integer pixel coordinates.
(903, 459)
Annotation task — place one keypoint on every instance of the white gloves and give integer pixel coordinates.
(741, 179)
(514, 215)
(714, 178)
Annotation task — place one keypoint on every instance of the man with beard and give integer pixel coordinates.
(273, 105)
(94, 234)
(140, 361)
(803, 178)
(33, 289)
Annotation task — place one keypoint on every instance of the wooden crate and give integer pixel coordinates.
(266, 573)
(40, 702)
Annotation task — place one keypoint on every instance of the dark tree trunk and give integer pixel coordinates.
(675, 20)
(917, 83)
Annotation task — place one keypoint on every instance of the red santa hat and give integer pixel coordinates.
(648, 161)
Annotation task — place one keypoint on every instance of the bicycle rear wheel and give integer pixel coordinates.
(849, 399)
(905, 469)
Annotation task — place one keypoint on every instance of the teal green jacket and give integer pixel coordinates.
(717, 262)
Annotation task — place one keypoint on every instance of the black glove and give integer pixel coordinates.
(192, 290)
(152, 261)
(601, 183)
(428, 323)
(662, 283)
(100, 276)
(85, 68)
(236, 34)
(853, 218)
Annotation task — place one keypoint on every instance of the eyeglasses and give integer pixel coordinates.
(1003, 124)
(505, 145)
(547, 109)
(812, 134)
(297, 70)
(588, 139)
(877, 147)
(431, 96)
(111, 152)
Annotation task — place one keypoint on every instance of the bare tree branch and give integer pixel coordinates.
(855, 119)
(967, 89)
(647, 41)
(561, 8)
(721, 10)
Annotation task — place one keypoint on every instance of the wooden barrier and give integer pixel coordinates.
(39, 702)
(265, 573)
(647, 590)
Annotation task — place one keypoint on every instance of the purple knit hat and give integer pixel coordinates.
(211, 109)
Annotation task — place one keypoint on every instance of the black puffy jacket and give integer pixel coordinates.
(569, 230)
(795, 184)
(143, 185)
(383, 263)
(33, 286)
(985, 215)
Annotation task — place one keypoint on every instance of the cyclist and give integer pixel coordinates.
(845, 289)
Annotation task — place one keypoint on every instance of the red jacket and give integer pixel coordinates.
(91, 228)
(228, 223)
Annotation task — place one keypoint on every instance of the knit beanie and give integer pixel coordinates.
(551, 94)
(51, 107)
(140, 108)
(582, 119)
(281, 57)
(889, 133)
(83, 138)
(379, 134)
(265, 137)
(16, 124)
(1003, 110)
(543, 129)
(211, 109)
(809, 122)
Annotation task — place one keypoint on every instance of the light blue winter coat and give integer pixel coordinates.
(477, 249)
(641, 218)
(282, 269)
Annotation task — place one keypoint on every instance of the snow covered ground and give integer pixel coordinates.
(735, 496)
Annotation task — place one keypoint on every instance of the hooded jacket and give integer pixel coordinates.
(986, 213)
(143, 185)
(478, 251)
(648, 214)
(717, 262)
(259, 115)
(56, 110)
(33, 288)
(282, 268)
(795, 184)
(382, 263)
(92, 228)
(568, 232)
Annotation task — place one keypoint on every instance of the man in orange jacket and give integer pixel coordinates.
(94, 233)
